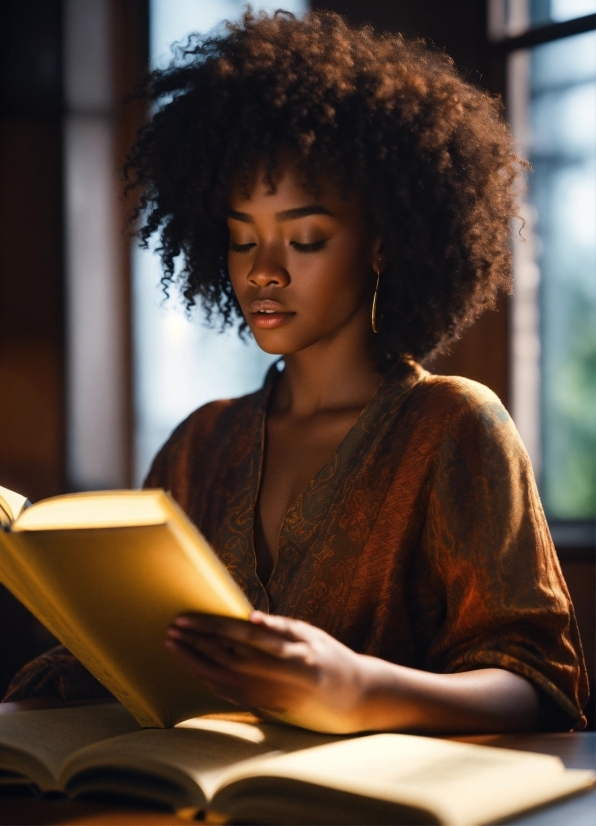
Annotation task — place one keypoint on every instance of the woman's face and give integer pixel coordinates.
(301, 266)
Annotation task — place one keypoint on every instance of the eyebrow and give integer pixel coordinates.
(286, 215)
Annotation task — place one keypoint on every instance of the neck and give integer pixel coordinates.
(333, 374)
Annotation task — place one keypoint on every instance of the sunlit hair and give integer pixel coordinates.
(382, 117)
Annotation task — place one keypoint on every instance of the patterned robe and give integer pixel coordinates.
(421, 541)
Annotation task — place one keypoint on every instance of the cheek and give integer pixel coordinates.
(339, 279)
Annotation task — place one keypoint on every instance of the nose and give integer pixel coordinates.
(267, 272)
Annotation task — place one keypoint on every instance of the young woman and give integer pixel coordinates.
(349, 199)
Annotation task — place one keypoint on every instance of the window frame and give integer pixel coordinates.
(575, 539)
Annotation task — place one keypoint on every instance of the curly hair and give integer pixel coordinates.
(385, 117)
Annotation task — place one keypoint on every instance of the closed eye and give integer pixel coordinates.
(241, 247)
(314, 247)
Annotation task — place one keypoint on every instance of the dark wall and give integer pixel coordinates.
(31, 266)
(32, 353)
(459, 28)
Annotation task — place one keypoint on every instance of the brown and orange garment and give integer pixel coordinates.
(422, 541)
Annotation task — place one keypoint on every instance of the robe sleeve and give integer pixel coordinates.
(55, 674)
(489, 552)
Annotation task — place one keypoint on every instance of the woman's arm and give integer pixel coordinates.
(277, 665)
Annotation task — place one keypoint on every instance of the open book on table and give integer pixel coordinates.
(107, 573)
(253, 772)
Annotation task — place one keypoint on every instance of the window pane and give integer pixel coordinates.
(568, 9)
(562, 149)
(180, 364)
(509, 18)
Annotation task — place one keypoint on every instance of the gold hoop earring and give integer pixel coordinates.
(373, 318)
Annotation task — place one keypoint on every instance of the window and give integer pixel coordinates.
(97, 422)
(551, 66)
(179, 363)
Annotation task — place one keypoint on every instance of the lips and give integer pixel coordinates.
(265, 305)
(267, 314)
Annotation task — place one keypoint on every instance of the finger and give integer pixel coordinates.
(292, 667)
(209, 623)
(226, 684)
(228, 653)
(200, 665)
(219, 650)
(266, 638)
(220, 679)
(241, 629)
(292, 629)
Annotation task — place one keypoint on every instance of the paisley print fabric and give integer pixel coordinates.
(55, 674)
(422, 540)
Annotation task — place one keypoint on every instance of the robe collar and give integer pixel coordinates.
(303, 530)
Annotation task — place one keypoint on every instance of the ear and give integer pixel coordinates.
(377, 249)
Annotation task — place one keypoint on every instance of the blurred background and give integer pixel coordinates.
(96, 369)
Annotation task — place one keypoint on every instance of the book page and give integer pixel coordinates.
(17, 575)
(36, 743)
(27, 583)
(457, 783)
(100, 509)
(189, 760)
(5, 514)
(11, 505)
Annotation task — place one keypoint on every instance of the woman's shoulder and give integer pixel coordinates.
(461, 411)
(203, 435)
(455, 398)
(457, 392)
(456, 417)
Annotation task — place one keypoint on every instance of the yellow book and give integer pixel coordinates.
(107, 573)
(245, 771)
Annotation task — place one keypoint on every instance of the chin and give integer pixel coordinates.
(276, 342)
(289, 338)
(274, 348)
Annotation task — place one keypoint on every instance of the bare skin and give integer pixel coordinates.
(303, 271)
(323, 332)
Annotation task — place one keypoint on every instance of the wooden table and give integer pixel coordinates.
(577, 751)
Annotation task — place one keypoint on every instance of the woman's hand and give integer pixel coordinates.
(287, 669)
(277, 666)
